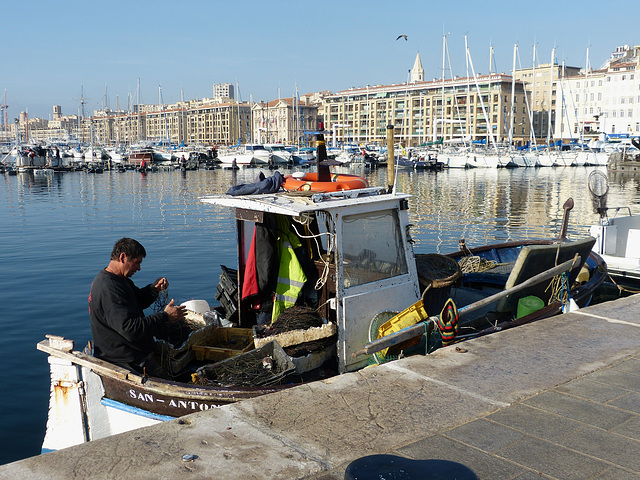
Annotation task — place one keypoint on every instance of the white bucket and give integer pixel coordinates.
(198, 306)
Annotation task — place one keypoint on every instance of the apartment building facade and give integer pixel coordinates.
(285, 120)
(455, 110)
(601, 104)
(541, 84)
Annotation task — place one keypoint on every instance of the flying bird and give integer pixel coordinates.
(402, 36)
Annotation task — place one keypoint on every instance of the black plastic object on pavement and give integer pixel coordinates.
(392, 467)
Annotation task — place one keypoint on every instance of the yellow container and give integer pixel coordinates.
(226, 343)
(408, 317)
(527, 305)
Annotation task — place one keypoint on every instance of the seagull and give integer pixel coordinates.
(402, 36)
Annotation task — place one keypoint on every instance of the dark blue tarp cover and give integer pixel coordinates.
(262, 184)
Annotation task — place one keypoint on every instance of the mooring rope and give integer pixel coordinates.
(475, 264)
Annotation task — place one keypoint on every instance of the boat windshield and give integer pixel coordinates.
(372, 247)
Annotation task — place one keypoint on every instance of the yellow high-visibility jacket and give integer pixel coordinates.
(291, 277)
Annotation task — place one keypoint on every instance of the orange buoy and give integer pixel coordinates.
(308, 183)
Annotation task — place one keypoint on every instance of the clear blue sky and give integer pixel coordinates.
(52, 48)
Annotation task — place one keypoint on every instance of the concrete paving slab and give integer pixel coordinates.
(533, 421)
(622, 311)
(481, 463)
(630, 429)
(614, 473)
(611, 448)
(485, 435)
(629, 402)
(592, 390)
(629, 366)
(618, 379)
(551, 459)
(579, 409)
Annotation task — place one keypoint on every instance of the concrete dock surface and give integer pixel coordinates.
(555, 399)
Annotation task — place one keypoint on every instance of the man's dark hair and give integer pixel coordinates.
(130, 247)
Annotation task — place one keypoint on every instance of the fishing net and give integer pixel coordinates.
(297, 317)
(307, 348)
(176, 333)
(267, 365)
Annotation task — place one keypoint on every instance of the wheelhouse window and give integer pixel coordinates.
(373, 248)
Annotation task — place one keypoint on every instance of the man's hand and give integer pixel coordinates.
(160, 284)
(175, 312)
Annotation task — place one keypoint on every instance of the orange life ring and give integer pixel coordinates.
(308, 182)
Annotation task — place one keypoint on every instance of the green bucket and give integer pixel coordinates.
(527, 305)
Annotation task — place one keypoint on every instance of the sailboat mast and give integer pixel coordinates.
(117, 122)
(444, 43)
(513, 95)
(6, 121)
(533, 91)
(182, 135)
(550, 104)
(479, 93)
(138, 107)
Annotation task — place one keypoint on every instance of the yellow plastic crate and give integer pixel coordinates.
(226, 343)
(408, 317)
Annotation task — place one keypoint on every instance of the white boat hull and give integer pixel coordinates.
(78, 412)
(618, 243)
(239, 158)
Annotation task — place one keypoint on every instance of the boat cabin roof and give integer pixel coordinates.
(294, 204)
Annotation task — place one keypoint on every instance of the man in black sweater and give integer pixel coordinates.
(122, 334)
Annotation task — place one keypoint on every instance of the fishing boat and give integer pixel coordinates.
(350, 258)
(617, 236)
(140, 154)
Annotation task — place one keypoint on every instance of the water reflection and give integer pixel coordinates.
(493, 205)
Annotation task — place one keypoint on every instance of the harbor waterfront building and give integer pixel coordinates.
(205, 122)
(455, 110)
(548, 101)
(602, 103)
(223, 91)
(541, 83)
(285, 120)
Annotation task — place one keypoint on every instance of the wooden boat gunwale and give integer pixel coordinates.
(119, 383)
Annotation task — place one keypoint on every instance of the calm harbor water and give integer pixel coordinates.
(57, 232)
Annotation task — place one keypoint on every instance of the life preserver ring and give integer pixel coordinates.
(309, 182)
